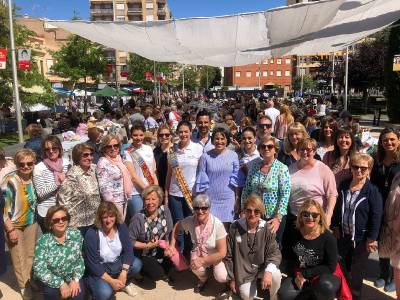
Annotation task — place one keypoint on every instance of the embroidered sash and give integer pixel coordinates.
(183, 186)
(143, 166)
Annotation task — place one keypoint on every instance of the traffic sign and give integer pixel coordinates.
(3, 58)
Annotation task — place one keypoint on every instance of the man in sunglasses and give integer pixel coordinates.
(264, 128)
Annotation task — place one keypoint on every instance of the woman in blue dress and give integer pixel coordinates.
(217, 177)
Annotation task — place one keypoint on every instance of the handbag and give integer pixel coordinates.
(113, 268)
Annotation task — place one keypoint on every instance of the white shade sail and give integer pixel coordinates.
(245, 38)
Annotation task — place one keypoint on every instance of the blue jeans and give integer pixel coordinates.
(179, 210)
(54, 293)
(101, 290)
(135, 205)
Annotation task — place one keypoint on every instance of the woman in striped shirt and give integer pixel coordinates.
(19, 216)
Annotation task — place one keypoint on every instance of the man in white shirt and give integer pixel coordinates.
(272, 112)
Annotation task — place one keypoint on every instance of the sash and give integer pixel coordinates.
(143, 166)
(183, 186)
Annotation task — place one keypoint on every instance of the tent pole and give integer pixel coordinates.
(17, 101)
(333, 74)
(183, 81)
(346, 85)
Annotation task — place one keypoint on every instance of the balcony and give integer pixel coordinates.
(134, 9)
(101, 11)
(134, 1)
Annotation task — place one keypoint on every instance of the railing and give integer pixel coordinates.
(101, 11)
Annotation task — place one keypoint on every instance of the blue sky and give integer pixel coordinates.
(63, 9)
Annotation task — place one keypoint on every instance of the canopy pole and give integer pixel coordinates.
(333, 74)
(17, 101)
(346, 85)
(183, 80)
(259, 75)
(155, 82)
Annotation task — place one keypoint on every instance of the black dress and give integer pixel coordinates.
(161, 159)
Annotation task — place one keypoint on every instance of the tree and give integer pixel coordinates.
(28, 80)
(308, 83)
(391, 78)
(208, 76)
(79, 59)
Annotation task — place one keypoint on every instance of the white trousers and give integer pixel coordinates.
(248, 290)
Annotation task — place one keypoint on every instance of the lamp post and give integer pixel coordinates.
(17, 101)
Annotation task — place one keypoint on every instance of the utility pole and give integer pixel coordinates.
(183, 80)
(346, 85)
(333, 74)
(17, 101)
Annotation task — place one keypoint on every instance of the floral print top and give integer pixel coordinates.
(57, 263)
(110, 181)
(273, 188)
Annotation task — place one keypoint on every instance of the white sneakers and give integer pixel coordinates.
(130, 290)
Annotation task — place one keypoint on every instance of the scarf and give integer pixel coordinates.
(202, 236)
(155, 229)
(128, 186)
(56, 167)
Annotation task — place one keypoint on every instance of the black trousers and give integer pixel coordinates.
(326, 289)
(386, 270)
(153, 269)
(355, 257)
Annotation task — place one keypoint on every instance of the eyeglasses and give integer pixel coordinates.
(164, 135)
(249, 211)
(112, 146)
(202, 208)
(52, 149)
(87, 154)
(27, 164)
(59, 220)
(264, 126)
(267, 146)
(307, 214)
(308, 150)
(362, 168)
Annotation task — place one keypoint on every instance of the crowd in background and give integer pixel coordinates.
(246, 190)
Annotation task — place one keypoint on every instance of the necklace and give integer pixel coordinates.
(249, 244)
(386, 173)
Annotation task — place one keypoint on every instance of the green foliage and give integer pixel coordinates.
(308, 83)
(78, 59)
(392, 79)
(213, 74)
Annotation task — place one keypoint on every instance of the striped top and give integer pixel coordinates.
(19, 202)
(218, 178)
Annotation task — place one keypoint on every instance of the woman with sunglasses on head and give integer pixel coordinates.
(183, 161)
(386, 167)
(357, 219)
(164, 144)
(19, 217)
(208, 236)
(79, 192)
(270, 180)
(338, 160)
(288, 151)
(48, 176)
(252, 253)
(113, 176)
(218, 177)
(313, 258)
(58, 264)
(326, 141)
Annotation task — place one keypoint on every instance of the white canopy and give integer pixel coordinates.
(245, 38)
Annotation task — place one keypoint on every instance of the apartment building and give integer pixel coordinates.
(126, 11)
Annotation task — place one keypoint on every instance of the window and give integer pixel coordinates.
(278, 73)
(257, 74)
(271, 73)
(288, 61)
(287, 73)
(265, 62)
(120, 18)
(149, 18)
(237, 74)
(279, 61)
(265, 73)
(248, 74)
(149, 5)
(49, 64)
(120, 6)
(271, 61)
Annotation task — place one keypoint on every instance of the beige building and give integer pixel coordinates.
(126, 11)
(48, 39)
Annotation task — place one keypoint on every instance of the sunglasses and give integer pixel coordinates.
(267, 146)
(113, 146)
(59, 220)
(27, 164)
(356, 168)
(308, 150)
(52, 149)
(164, 135)
(307, 214)
(202, 208)
(249, 211)
(87, 154)
(264, 125)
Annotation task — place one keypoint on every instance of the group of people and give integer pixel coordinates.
(248, 201)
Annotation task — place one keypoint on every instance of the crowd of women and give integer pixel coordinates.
(233, 200)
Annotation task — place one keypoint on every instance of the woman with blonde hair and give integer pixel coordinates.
(314, 257)
(283, 121)
(288, 151)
